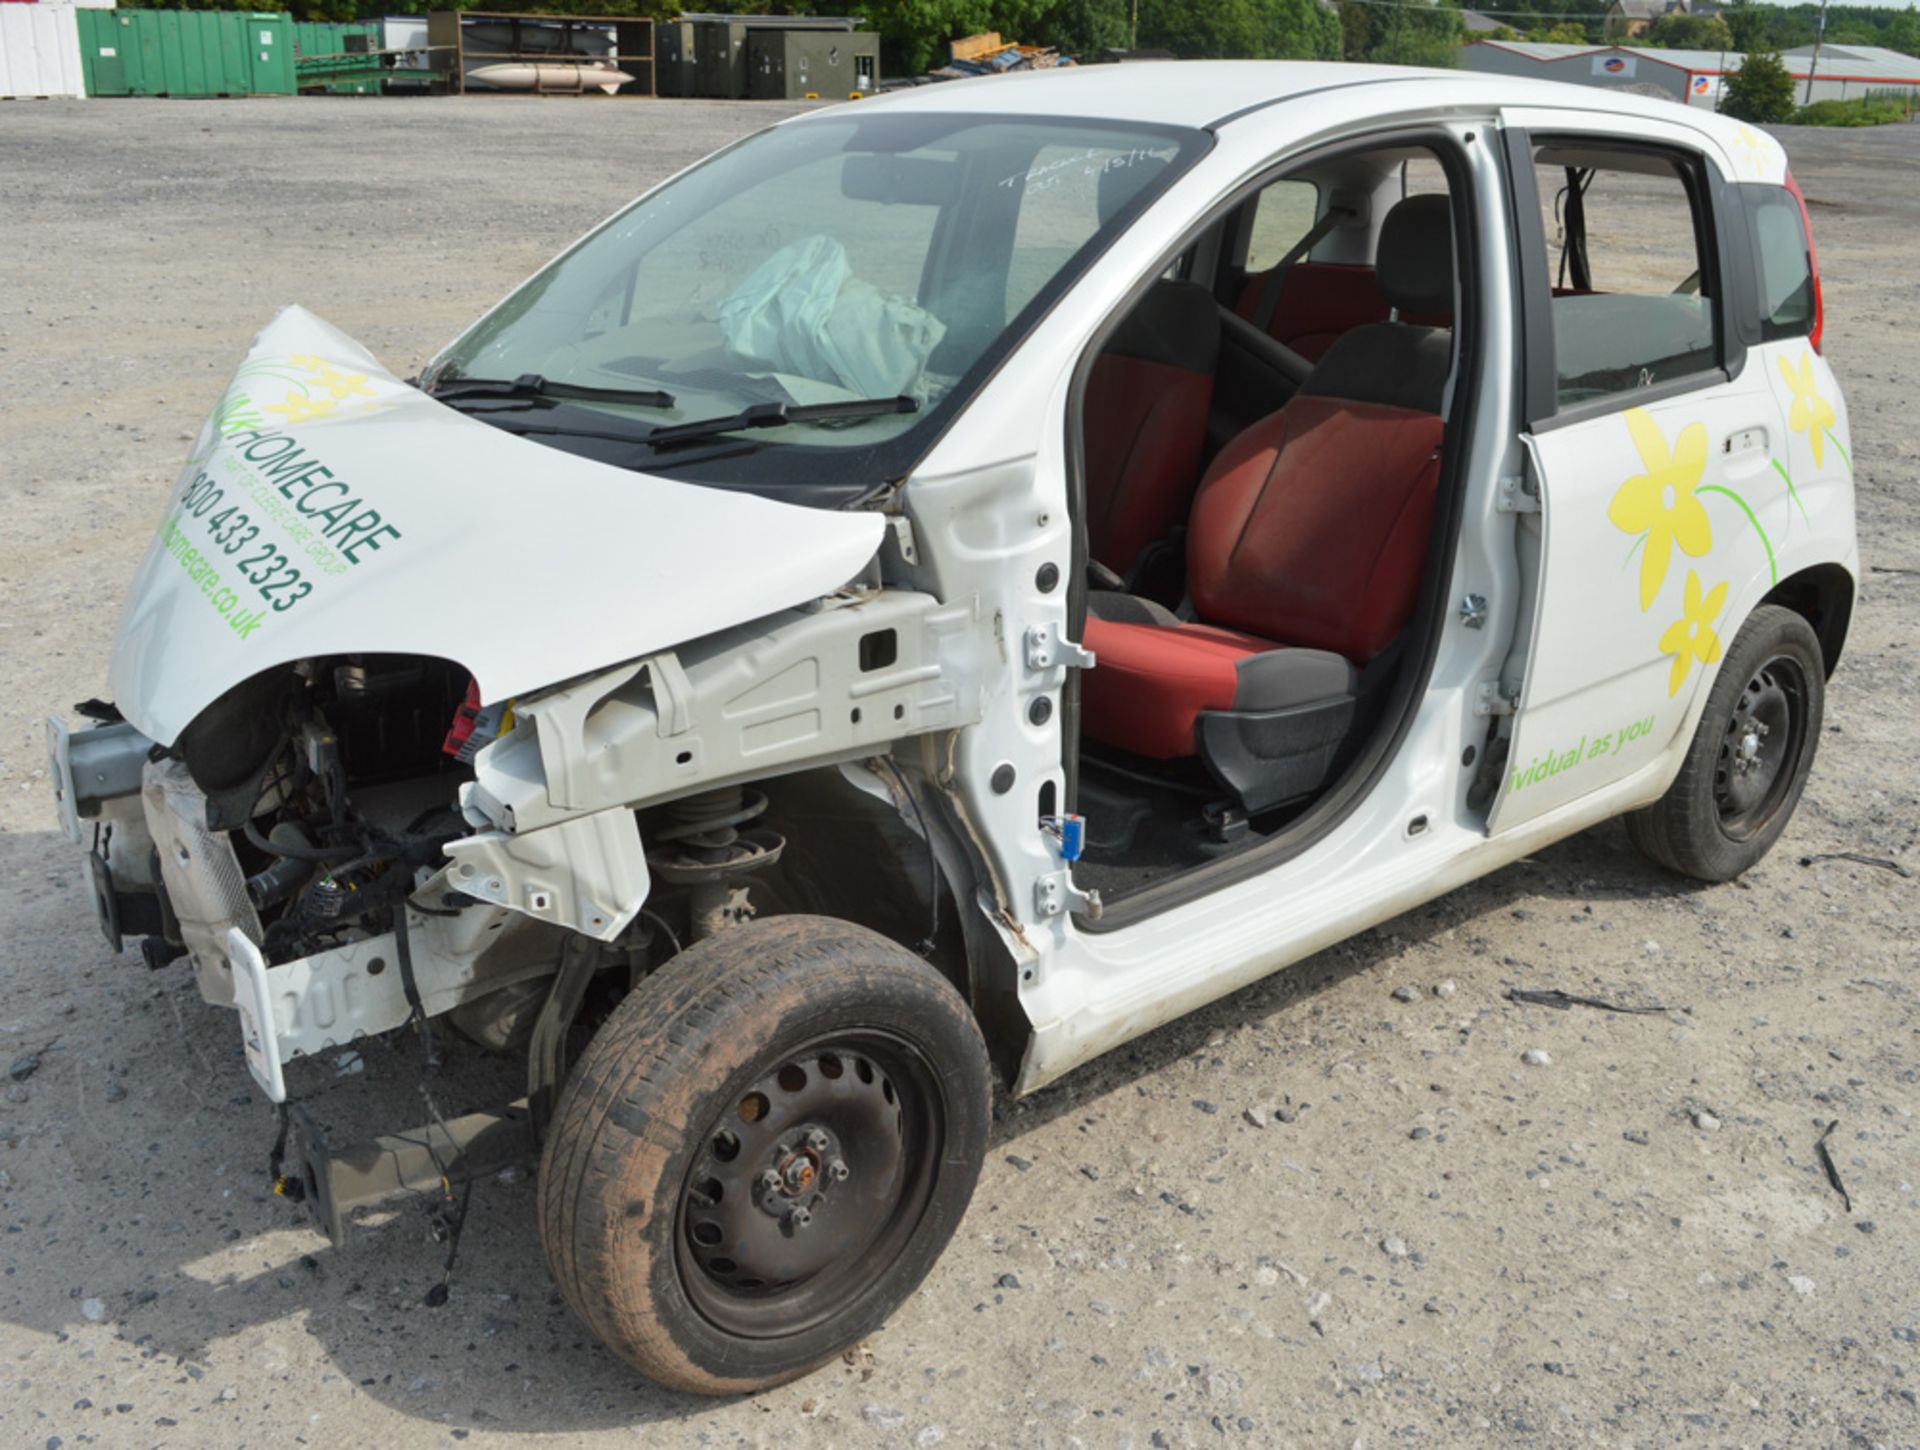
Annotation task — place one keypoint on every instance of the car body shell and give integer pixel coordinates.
(658, 656)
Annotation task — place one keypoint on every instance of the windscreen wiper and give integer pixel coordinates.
(777, 415)
(532, 386)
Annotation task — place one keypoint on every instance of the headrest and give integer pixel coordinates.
(1175, 324)
(1118, 185)
(1414, 264)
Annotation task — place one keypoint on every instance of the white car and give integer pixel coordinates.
(942, 587)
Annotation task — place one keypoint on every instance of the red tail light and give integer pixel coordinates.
(1813, 261)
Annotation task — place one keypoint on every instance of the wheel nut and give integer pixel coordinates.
(771, 1181)
(837, 1171)
(817, 1140)
(801, 1216)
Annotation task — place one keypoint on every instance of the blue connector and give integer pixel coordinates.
(1071, 831)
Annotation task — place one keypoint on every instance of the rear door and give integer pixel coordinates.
(1648, 446)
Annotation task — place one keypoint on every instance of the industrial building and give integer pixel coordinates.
(1695, 77)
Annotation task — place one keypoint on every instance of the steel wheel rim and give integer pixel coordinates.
(854, 1128)
(1760, 748)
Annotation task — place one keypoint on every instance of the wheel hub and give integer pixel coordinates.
(800, 1178)
(1758, 747)
(806, 1164)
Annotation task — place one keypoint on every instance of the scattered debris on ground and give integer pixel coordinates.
(1859, 859)
(988, 55)
(1554, 997)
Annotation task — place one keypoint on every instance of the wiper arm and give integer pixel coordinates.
(777, 415)
(532, 385)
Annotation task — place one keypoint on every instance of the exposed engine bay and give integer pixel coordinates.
(306, 844)
(341, 779)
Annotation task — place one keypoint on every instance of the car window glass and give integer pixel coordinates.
(1283, 213)
(885, 244)
(842, 259)
(1067, 193)
(1422, 176)
(1632, 304)
(1780, 257)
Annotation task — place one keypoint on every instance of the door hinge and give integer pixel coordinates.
(1048, 648)
(903, 539)
(1519, 494)
(1495, 698)
(1056, 893)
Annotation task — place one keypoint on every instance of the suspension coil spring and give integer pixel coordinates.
(700, 845)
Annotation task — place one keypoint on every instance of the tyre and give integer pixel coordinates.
(762, 1152)
(1749, 759)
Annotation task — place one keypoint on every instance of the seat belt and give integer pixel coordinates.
(1277, 278)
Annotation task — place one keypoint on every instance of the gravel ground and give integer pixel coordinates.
(1339, 1208)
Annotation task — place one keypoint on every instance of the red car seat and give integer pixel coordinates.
(1318, 303)
(1146, 420)
(1304, 554)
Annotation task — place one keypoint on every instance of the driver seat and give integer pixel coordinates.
(1304, 555)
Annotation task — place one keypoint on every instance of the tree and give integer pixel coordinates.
(1356, 31)
(1761, 90)
(1567, 32)
(1426, 33)
(1248, 29)
(1746, 24)
(1690, 32)
(1903, 33)
(1084, 28)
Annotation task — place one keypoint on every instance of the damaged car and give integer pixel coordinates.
(937, 590)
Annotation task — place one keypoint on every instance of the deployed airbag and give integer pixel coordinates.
(803, 313)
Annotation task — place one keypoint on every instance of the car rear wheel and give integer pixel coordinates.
(1749, 758)
(763, 1151)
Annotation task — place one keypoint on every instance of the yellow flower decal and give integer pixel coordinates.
(1691, 637)
(302, 410)
(1752, 148)
(1812, 414)
(337, 381)
(1660, 503)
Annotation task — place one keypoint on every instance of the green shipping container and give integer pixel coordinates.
(186, 53)
(336, 37)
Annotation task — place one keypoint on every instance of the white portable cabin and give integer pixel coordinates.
(40, 52)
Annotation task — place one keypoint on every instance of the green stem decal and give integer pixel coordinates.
(259, 369)
(1844, 458)
(1773, 568)
(1780, 469)
(1638, 544)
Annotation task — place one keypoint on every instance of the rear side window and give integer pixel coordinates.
(1634, 303)
(1780, 262)
(1283, 213)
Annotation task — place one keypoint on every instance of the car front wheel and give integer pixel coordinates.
(763, 1151)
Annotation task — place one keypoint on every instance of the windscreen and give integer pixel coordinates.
(834, 261)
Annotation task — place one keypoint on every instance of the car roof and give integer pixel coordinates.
(1214, 94)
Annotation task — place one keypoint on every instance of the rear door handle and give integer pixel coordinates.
(1745, 440)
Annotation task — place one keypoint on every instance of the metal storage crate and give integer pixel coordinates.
(721, 66)
(800, 65)
(674, 72)
(186, 53)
